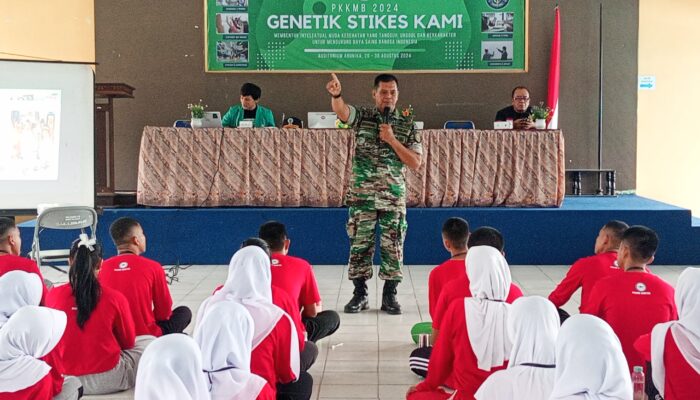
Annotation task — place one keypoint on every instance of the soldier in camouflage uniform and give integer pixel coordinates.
(385, 141)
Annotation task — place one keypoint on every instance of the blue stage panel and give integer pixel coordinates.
(539, 236)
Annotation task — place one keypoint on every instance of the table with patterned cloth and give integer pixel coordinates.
(270, 167)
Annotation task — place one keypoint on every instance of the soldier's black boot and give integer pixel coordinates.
(389, 303)
(359, 298)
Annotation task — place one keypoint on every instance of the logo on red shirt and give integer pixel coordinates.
(275, 261)
(123, 266)
(640, 288)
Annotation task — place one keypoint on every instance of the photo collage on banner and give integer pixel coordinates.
(371, 35)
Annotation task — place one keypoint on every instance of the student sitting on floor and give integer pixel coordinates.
(171, 368)
(99, 346)
(590, 363)
(587, 271)
(674, 347)
(474, 340)
(10, 248)
(634, 301)
(295, 276)
(275, 354)
(29, 335)
(459, 289)
(533, 325)
(18, 289)
(142, 281)
(225, 336)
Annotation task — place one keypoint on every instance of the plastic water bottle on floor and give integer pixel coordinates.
(638, 383)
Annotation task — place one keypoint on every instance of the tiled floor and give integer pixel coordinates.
(368, 357)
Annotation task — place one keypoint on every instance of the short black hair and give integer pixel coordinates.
(456, 231)
(385, 78)
(274, 233)
(6, 225)
(616, 229)
(512, 94)
(252, 90)
(256, 241)
(487, 236)
(642, 242)
(121, 228)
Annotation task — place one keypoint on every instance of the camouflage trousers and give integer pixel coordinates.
(361, 229)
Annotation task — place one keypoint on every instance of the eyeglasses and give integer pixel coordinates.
(520, 98)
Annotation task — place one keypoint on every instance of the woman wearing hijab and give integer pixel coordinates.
(171, 368)
(225, 336)
(99, 320)
(533, 325)
(674, 347)
(590, 362)
(473, 342)
(30, 334)
(275, 354)
(18, 289)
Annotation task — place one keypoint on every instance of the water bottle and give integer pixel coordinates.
(638, 383)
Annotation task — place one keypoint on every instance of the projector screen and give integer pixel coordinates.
(46, 131)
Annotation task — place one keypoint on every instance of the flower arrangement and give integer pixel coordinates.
(408, 113)
(540, 112)
(197, 110)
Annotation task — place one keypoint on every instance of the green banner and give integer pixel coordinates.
(367, 35)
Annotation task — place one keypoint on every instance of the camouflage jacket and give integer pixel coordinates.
(378, 180)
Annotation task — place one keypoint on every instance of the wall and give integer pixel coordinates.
(160, 52)
(668, 141)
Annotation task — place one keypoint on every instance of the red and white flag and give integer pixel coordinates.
(554, 69)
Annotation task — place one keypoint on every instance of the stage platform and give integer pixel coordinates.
(534, 236)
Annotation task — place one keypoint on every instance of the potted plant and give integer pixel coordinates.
(540, 114)
(196, 113)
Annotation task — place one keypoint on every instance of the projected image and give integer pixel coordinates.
(29, 133)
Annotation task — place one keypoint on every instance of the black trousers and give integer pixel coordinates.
(180, 318)
(308, 356)
(299, 390)
(323, 324)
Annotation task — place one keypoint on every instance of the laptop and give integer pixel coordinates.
(212, 119)
(321, 120)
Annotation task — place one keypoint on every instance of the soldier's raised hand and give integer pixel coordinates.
(333, 87)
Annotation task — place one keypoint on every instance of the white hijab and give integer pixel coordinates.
(533, 325)
(171, 368)
(487, 311)
(685, 331)
(18, 289)
(30, 333)
(249, 283)
(590, 362)
(225, 337)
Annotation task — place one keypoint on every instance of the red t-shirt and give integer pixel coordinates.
(682, 380)
(267, 393)
(97, 346)
(454, 357)
(142, 282)
(270, 359)
(441, 276)
(584, 274)
(9, 262)
(632, 303)
(296, 277)
(459, 289)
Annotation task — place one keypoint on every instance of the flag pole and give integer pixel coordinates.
(600, 100)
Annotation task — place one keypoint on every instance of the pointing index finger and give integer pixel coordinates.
(334, 76)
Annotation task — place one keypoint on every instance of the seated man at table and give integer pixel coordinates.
(519, 110)
(249, 109)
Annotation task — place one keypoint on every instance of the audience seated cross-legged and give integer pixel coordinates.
(28, 336)
(533, 325)
(673, 348)
(458, 288)
(100, 346)
(275, 354)
(587, 271)
(473, 342)
(18, 289)
(295, 276)
(225, 336)
(634, 301)
(171, 368)
(142, 281)
(590, 362)
(10, 248)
